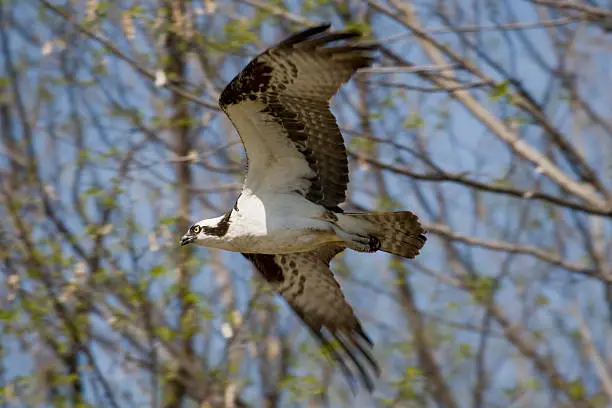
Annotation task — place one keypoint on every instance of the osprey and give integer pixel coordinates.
(286, 220)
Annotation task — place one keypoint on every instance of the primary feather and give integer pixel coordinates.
(279, 104)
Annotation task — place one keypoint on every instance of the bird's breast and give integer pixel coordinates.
(275, 224)
(282, 242)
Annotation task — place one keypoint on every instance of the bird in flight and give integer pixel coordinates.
(287, 221)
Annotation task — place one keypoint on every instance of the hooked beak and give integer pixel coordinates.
(187, 239)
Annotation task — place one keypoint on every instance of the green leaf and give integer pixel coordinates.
(500, 90)
(386, 203)
(411, 373)
(414, 121)
(465, 351)
(157, 271)
(109, 202)
(165, 333)
(93, 191)
(8, 315)
(532, 384)
(576, 390)
(238, 33)
(364, 28)
(169, 220)
(83, 156)
(481, 287)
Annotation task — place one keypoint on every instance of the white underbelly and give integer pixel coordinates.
(276, 224)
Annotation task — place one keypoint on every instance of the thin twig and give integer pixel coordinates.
(499, 189)
(445, 231)
(405, 69)
(481, 28)
(151, 74)
(435, 49)
(387, 84)
(591, 351)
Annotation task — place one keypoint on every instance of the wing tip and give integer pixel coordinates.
(350, 348)
(345, 350)
(313, 37)
(352, 54)
(358, 354)
(303, 35)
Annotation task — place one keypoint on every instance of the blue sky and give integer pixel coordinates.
(461, 144)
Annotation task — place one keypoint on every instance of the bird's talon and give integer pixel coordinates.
(374, 244)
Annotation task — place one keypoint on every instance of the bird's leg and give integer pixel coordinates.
(357, 242)
(362, 241)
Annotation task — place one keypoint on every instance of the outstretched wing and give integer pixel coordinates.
(308, 285)
(279, 105)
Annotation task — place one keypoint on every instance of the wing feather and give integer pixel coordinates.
(279, 105)
(308, 285)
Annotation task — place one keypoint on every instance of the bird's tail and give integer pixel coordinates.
(399, 233)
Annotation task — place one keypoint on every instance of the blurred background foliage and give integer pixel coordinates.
(490, 119)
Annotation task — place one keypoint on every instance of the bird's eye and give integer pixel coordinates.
(195, 229)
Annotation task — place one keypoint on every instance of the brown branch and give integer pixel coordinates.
(597, 15)
(590, 349)
(528, 348)
(526, 102)
(482, 27)
(395, 85)
(277, 11)
(445, 232)
(514, 332)
(567, 5)
(434, 49)
(151, 74)
(438, 389)
(461, 179)
(180, 124)
(406, 69)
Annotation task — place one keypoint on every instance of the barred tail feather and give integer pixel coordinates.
(399, 233)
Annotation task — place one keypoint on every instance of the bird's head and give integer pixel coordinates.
(207, 232)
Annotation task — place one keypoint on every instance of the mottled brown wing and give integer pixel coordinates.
(279, 105)
(308, 285)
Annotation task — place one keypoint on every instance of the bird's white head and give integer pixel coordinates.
(207, 232)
